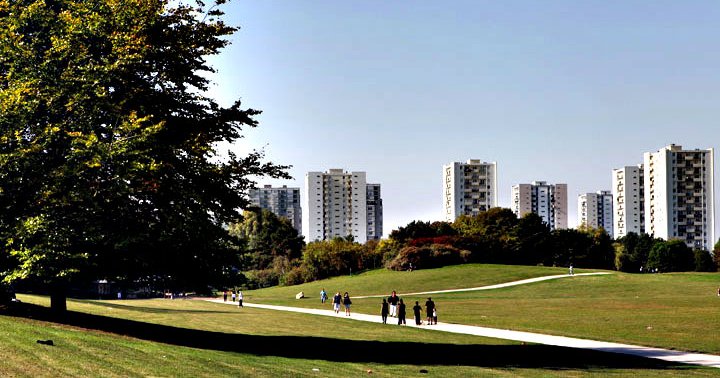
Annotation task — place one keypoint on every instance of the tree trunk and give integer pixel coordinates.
(58, 298)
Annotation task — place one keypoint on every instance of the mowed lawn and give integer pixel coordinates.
(677, 311)
(193, 338)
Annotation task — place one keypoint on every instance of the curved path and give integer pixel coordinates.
(709, 360)
(490, 287)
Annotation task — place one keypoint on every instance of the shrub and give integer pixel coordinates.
(426, 257)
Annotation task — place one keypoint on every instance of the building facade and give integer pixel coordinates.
(469, 188)
(338, 206)
(546, 200)
(679, 201)
(374, 212)
(281, 201)
(596, 210)
(628, 190)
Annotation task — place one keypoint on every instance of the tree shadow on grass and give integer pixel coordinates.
(340, 350)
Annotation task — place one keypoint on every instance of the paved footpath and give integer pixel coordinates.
(710, 360)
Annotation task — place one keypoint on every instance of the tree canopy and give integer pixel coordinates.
(108, 145)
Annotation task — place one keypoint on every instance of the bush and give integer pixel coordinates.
(427, 257)
(671, 256)
(298, 275)
(704, 261)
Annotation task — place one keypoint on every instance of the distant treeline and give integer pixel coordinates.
(273, 253)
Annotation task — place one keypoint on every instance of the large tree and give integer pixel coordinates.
(108, 145)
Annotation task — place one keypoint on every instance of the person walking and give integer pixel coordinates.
(435, 315)
(233, 295)
(384, 311)
(571, 271)
(240, 298)
(429, 307)
(417, 309)
(347, 302)
(401, 312)
(225, 296)
(393, 301)
(337, 299)
(323, 296)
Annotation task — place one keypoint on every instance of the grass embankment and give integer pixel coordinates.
(676, 311)
(195, 338)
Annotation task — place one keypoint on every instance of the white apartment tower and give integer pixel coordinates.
(469, 188)
(374, 212)
(283, 202)
(679, 198)
(546, 200)
(337, 206)
(596, 210)
(628, 189)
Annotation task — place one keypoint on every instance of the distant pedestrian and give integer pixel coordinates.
(384, 311)
(719, 292)
(393, 301)
(119, 295)
(435, 315)
(429, 307)
(233, 295)
(417, 309)
(347, 302)
(225, 296)
(570, 270)
(337, 299)
(240, 298)
(323, 295)
(401, 312)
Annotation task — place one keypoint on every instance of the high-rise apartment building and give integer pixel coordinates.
(679, 198)
(469, 188)
(628, 189)
(546, 200)
(338, 206)
(596, 210)
(374, 212)
(281, 201)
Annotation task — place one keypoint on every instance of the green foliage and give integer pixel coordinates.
(704, 261)
(265, 237)
(333, 258)
(671, 256)
(426, 257)
(108, 167)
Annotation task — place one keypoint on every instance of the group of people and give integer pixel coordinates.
(392, 306)
(234, 295)
(337, 300)
(395, 306)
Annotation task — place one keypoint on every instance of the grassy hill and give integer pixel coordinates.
(196, 338)
(676, 311)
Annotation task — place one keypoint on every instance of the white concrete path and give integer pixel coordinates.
(490, 287)
(710, 360)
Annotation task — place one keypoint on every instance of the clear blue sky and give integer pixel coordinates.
(561, 91)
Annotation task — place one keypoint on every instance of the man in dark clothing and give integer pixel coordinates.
(417, 309)
(429, 306)
(401, 312)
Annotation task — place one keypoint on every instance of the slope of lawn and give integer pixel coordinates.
(676, 311)
(191, 338)
(383, 281)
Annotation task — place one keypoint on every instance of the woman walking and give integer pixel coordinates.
(347, 302)
(384, 311)
(401, 312)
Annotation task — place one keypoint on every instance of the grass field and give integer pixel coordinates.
(675, 311)
(197, 338)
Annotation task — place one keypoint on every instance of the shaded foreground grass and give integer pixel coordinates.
(193, 338)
